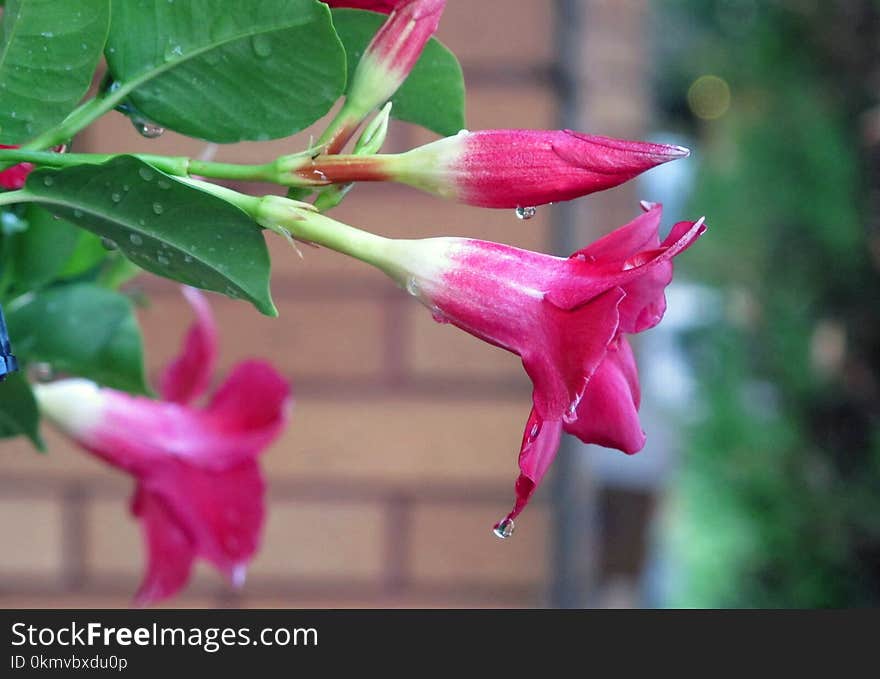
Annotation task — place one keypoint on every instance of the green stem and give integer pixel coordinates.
(12, 197)
(174, 165)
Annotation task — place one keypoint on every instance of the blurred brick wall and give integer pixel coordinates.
(402, 449)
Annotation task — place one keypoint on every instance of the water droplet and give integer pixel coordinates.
(438, 315)
(48, 181)
(115, 197)
(172, 50)
(126, 188)
(536, 429)
(239, 574)
(163, 260)
(147, 128)
(109, 244)
(47, 34)
(163, 184)
(135, 239)
(231, 292)
(412, 286)
(262, 46)
(158, 209)
(504, 529)
(526, 212)
(78, 213)
(187, 259)
(212, 57)
(146, 174)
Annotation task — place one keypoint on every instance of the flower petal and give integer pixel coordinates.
(252, 404)
(539, 445)
(222, 512)
(189, 375)
(593, 277)
(572, 346)
(170, 549)
(608, 412)
(642, 233)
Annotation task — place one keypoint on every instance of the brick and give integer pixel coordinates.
(310, 338)
(32, 537)
(442, 350)
(321, 540)
(501, 33)
(454, 543)
(402, 441)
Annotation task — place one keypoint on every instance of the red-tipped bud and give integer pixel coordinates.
(520, 168)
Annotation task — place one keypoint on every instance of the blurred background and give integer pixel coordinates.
(760, 483)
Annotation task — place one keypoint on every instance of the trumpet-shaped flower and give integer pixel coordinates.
(199, 489)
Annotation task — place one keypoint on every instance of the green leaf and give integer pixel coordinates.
(87, 254)
(41, 251)
(227, 71)
(18, 410)
(163, 225)
(48, 54)
(433, 94)
(82, 329)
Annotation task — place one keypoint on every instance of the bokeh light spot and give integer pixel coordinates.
(709, 97)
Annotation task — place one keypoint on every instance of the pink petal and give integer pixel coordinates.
(252, 403)
(640, 234)
(189, 375)
(222, 512)
(14, 177)
(574, 345)
(608, 412)
(539, 445)
(591, 277)
(170, 549)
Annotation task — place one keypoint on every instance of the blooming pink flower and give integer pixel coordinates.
(566, 319)
(502, 168)
(199, 490)
(14, 177)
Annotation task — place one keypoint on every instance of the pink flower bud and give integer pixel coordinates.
(522, 168)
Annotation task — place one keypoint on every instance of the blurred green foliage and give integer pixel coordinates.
(778, 501)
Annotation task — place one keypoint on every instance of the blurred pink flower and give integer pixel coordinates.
(199, 490)
(566, 319)
(14, 177)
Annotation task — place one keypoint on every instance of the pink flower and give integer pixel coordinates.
(566, 319)
(501, 168)
(14, 177)
(199, 490)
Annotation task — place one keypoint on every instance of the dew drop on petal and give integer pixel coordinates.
(146, 174)
(135, 239)
(115, 197)
(158, 209)
(504, 528)
(526, 212)
(109, 244)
